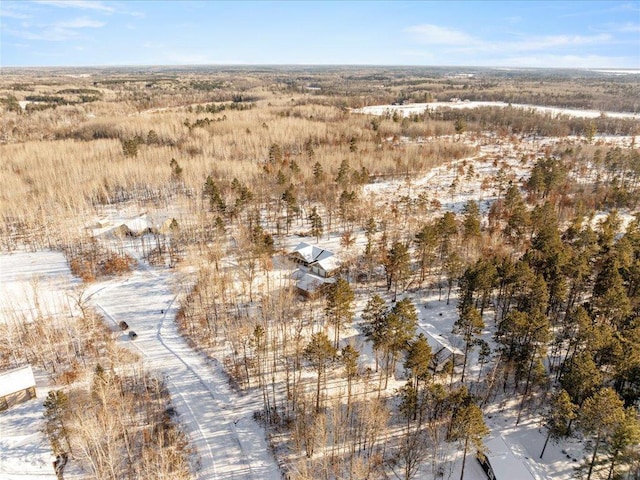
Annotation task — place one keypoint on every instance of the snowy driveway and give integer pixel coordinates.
(219, 423)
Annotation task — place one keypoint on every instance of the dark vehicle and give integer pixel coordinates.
(123, 325)
(133, 335)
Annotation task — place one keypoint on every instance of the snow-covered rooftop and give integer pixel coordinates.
(310, 282)
(505, 465)
(16, 380)
(437, 341)
(311, 253)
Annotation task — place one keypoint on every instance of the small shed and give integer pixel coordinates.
(500, 463)
(16, 386)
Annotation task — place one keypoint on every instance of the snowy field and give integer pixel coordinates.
(417, 108)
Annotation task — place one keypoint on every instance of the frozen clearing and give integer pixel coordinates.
(230, 444)
(417, 108)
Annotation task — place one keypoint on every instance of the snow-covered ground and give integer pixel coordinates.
(230, 444)
(34, 283)
(417, 108)
(25, 453)
(219, 423)
(31, 283)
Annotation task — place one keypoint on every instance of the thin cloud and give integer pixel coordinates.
(461, 42)
(628, 28)
(569, 61)
(56, 32)
(556, 41)
(82, 4)
(6, 12)
(96, 6)
(80, 23)
(430, 34)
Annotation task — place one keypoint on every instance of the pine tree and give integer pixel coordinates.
(320, 354)
(349, 356)
(343, 172)
(339, 307)
(467, 426)
(400, 327)
(56, 407)
(397, 265)
(275, 154)
(318, 173)
(374, 318)
(418, 360)
(291, 202)
(316, 223)
(599, 418)
(581, 377)
(624, 441)
(426, 240)
(558, 417)
(212, 192)
(469, 325)
(471, 222)
(176, 170)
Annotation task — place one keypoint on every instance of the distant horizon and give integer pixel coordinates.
(478, 34)
(319, 65)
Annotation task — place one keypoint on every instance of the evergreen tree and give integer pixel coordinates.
(339, 307)
(581, 377)
(471, 221)
(318, 173)
(349, 356)
(291, 202)
(468, 427)
(418, 360)
(176, 170)
(374, 318)
(624, 441)
(401, 323)
(600, 417)
(56, 407)
(320, 354)
(212, 192)
(275, 154)
(343, 172)
(316, 223)
(469, 325)
(426, 240)
(558, 417)
(396, 265)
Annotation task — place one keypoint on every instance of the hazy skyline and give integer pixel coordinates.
(516, 34)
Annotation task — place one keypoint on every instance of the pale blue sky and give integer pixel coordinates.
(587, 34)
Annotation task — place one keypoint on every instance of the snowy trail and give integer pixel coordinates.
(219, 423)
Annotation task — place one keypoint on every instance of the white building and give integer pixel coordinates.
(316, 270)
(16, 386)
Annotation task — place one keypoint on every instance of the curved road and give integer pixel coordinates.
(219, 423)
